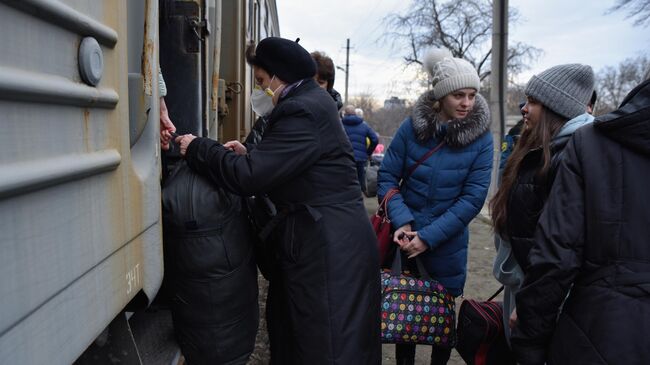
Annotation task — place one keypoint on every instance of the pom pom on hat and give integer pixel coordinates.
(434, 56)
(448, 73)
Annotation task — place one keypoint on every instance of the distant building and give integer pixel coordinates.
(394, 102)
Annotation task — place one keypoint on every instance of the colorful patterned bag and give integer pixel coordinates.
(416, 309)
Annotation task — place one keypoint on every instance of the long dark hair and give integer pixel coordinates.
(536, 136)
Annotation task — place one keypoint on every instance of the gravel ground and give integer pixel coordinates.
(480, 285)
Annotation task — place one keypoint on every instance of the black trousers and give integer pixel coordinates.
(361, 174)
(405, 355)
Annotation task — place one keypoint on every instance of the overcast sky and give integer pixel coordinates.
(567, 31)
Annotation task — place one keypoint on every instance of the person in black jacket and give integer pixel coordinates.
(555, 108)
(592, 244)
(323, 303)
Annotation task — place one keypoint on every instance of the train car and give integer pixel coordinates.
(80, 223)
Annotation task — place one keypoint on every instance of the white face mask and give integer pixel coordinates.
(261, 102)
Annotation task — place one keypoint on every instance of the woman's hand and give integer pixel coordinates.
(236, 146)
(184, 141)
(166, 126)
(512, 322)
(414, 245)
(399, 236)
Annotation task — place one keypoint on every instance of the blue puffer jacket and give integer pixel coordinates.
(357, 132)
(446, 191)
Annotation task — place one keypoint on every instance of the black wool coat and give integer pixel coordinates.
(527, 198)
(323, 305)
(593, 242)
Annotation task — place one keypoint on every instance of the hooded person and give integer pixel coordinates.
(437, 200)
(555, 108)
(323, 301)
(586, 296)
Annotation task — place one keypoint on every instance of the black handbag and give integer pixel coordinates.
(262, 212)
(481, 336)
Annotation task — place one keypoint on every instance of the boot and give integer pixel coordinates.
(405, 354)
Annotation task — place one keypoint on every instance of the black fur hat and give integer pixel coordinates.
(283, 58)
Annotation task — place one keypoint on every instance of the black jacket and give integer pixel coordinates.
(527, 197)
(256, 134)
(594, 234)
(337, 98)
(324, 304)
(210, 273)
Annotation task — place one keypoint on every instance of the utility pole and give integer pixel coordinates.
(347, 69)
(498, 80)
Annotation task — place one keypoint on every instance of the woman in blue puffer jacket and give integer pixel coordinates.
(443, 194)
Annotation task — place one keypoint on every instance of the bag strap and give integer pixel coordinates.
(396, 268)
(424, 158)
(495, 294)
(383, 206)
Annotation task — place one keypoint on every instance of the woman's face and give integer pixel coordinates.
(262, 78)
(322, 83)
(264, 81)
(458, 104)
(532, 111)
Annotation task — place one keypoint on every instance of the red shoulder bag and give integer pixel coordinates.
(381, 222)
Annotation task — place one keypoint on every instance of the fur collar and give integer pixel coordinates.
(460, 132)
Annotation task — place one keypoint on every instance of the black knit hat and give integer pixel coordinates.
(285, 59)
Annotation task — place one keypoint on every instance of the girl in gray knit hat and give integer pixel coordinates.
(555, 107)
(436, 200)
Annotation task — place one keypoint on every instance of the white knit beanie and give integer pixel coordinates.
(448, 73)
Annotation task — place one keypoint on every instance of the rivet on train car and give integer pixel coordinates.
(91, 61)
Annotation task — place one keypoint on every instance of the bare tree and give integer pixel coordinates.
(385, 121)
(366, 102)
(639, 9)
(463, 27)
(613, 83)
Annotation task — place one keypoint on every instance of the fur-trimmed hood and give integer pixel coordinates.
(460, 132)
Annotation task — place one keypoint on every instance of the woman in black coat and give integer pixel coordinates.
(592, 242)
(323, 304)
(555, 108)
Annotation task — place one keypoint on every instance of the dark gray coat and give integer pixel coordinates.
(324, 299)
(593, 239)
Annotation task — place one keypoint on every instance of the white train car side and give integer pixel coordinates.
(80, 223)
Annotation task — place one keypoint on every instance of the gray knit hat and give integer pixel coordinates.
(449, 74)
(565, 89)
